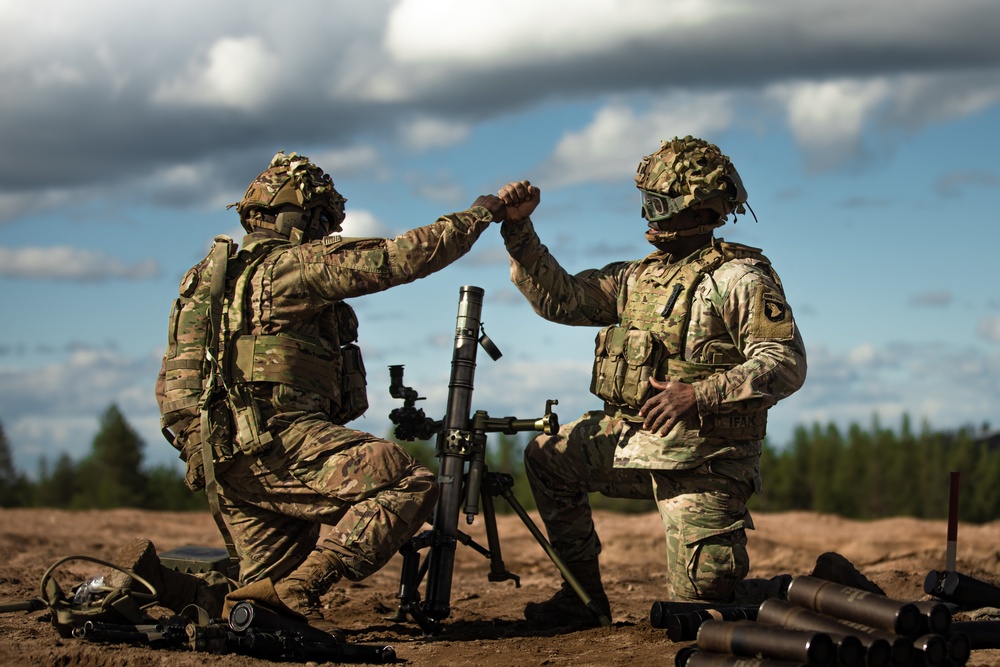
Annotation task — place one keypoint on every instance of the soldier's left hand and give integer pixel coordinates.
(668, 406)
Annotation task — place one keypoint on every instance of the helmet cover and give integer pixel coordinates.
(689, 173)
(292, 180)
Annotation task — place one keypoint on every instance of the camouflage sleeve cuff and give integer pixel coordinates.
(481, 214)
(519, 237)
(707, 397)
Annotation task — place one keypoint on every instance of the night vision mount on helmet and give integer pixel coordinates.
(688, 173)
(293, 197)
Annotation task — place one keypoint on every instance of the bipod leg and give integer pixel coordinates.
(411, 575)
(504, 487)
(498, 570)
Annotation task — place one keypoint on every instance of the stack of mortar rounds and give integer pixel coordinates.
(819, 623)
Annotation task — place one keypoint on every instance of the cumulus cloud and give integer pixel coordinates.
(66, 263)
(349, 161)
(553, 29)
(618, 136)
(363, 223)
(426, 133)
(89, 100)
(827, 117)
(56, 408)
(893, 380)
(236, 72)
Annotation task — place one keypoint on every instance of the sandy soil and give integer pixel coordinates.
(486, 627)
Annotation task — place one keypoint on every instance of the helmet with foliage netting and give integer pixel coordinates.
(292, 180)
(689, 173)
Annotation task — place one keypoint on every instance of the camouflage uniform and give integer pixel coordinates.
(734, 340)
(314, 470)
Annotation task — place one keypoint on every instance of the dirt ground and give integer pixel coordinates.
(486, 627)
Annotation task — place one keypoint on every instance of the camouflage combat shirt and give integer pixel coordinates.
(727, 317)
(294, 287)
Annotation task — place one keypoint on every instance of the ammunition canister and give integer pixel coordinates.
(877, 651)
(698, 658)
(660, 611)
(960, 648)
(933, 650)
(980, 634)
(936, 617)
(682, 619)
(854, 604)
(747, 638)
(961, 589)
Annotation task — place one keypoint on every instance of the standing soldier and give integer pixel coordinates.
(261, 373)
(697, 343)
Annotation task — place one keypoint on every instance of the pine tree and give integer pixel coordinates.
(14, 487)
(112, 476)
(58, 488)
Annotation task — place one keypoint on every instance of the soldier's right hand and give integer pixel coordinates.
(521, 198)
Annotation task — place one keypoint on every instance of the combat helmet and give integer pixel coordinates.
(688, 173)
(292, 181)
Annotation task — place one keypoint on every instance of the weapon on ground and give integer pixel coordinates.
(464, 481)
(101, 613)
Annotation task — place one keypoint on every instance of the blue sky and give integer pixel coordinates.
(866, 134)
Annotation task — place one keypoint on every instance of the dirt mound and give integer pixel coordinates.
(486, 627)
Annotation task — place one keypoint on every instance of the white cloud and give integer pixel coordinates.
(612, 144)
(363, 223)
(827, 118)
(524, 30)
(948, 387)
(348, 161)
(66, 263)
(56, 408)
(920, 99)
(236, 72)
(426, 133)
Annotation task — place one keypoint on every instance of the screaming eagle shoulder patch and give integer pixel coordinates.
(772, 319)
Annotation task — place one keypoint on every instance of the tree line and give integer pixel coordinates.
(861, 473)
(111, 475)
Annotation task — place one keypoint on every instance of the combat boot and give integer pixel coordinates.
(565, 607)
(300, 591)
(176, 590)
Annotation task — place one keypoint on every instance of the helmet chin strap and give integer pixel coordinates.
(656, 237)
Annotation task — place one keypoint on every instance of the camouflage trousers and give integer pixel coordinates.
(370, 495)
(703, 509)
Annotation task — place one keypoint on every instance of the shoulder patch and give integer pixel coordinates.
(772, 318)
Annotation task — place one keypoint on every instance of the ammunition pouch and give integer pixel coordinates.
(353, 385)
(188, 443)
(624, 360)
(353, 378)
